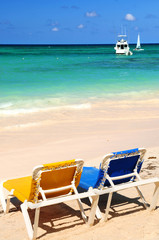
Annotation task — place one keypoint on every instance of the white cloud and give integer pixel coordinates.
(55, 29)
(130, 17)
(81, 26)
(91, 14)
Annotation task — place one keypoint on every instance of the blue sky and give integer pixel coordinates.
(77, 21)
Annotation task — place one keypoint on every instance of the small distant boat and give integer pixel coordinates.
(138, 45)
(122, 46)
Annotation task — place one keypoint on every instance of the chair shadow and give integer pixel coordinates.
(57, 218)
(124, 204)
(54, 218)
(15, 204)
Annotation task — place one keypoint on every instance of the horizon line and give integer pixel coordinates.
(66, 44)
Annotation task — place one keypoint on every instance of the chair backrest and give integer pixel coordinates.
(55, 179)
(120, 167)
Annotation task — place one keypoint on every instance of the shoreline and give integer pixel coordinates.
(36, 105)
(31, 139)
(107, 109)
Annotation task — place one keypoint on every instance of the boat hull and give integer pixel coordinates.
(122, 47)
(138, 50)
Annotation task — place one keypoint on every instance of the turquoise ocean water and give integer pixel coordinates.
(36, 78)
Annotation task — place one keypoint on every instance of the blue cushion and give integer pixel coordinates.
(91, 177)
(122, 166)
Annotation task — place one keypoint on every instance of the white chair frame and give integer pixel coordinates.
(115, 188)
(5, 197)
(93, 194)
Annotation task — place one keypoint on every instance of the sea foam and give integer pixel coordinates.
(18, 111)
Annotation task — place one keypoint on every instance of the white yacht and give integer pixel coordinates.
(122, 46)
(138, 46)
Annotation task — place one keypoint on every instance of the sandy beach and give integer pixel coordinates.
(87, 133)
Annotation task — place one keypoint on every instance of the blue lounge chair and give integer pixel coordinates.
(117, 171)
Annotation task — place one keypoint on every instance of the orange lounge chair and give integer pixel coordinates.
(49, 184)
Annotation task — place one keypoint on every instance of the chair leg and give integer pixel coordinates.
(155, 197)
(82, 210)
(142, 197)
(94, 205)
(108, 206)
(80, 205)
(98, 212)
(28, 224)
(8, 204)
(2, 198)
(36, 222)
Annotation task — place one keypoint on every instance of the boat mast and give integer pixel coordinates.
(138, 42)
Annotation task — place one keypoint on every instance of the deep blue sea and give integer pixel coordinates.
(35, 78)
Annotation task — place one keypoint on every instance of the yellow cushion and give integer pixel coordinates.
(25, 188)
(59, 178)
(22, 187)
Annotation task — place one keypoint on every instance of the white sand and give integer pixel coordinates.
(27, 141)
